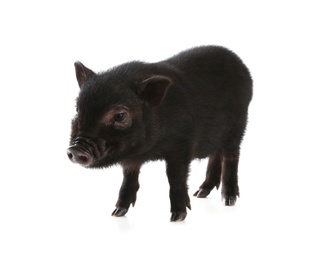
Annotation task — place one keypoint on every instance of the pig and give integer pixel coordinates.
(193, 105)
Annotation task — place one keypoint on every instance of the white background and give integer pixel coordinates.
(53, 209)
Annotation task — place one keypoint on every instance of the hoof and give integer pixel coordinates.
(178, 216)
(229, 201)
(202, 193)
(119, 212)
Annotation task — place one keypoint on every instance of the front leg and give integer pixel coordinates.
(177, 173)
(128, 191)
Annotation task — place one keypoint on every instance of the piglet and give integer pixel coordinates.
(192, 105)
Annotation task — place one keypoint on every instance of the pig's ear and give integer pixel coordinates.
(153, 90)
(82, 73)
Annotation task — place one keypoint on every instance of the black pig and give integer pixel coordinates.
(193, 105)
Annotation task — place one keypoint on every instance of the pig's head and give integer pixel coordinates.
(114, 114)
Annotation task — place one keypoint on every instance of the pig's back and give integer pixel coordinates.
(218, 87)
(212, 67)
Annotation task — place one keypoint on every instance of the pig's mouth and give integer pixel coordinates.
(86, 152)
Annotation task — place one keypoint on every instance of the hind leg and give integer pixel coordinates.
(230, 189)
(230, 160)
(213, 176)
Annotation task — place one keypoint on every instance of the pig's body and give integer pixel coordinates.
(193, 105)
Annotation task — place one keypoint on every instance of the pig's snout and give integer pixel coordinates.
(77, 155)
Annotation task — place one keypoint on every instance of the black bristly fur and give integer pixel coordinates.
(193, 105)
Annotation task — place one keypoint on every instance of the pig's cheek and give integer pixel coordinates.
(121, 148)
(114, 149)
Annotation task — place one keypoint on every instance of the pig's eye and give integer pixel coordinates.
(119, 117)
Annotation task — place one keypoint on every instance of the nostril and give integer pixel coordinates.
(70, 155)
(83, 158)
